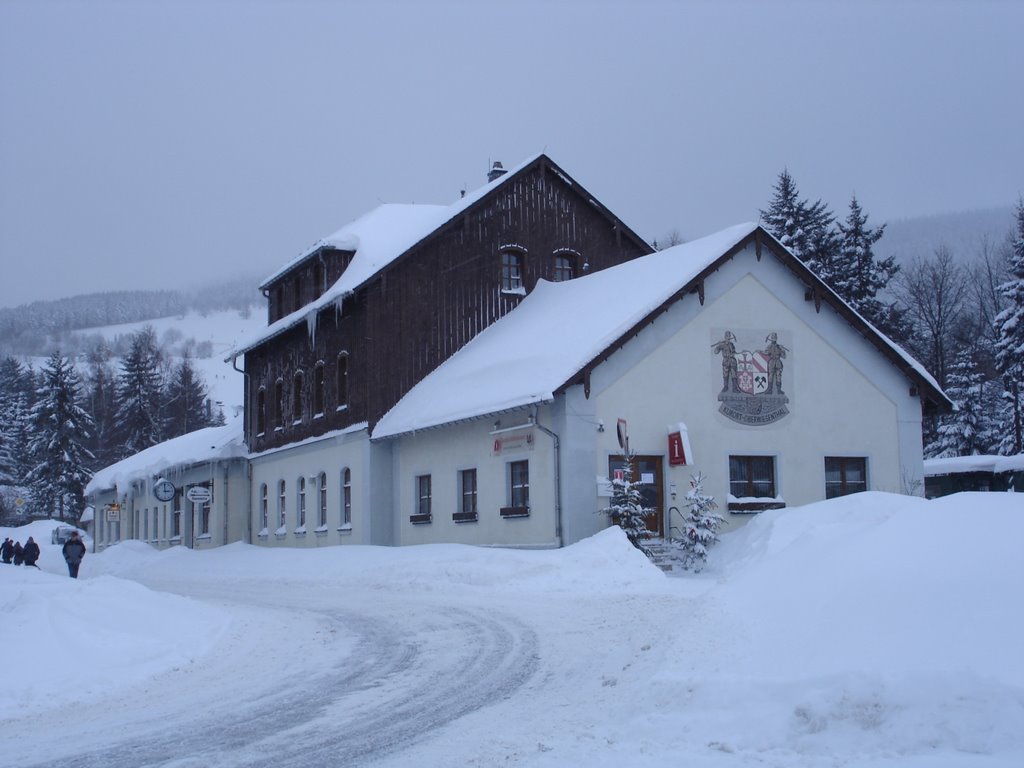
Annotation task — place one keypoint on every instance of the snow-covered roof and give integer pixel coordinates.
(377, 239)
(197, 447)
(519, 361)
(960, 464)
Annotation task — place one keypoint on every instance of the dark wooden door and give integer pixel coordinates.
(647, 470)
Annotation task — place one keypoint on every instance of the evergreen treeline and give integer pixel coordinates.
(962, 319)
(47, 325)
(58, 425)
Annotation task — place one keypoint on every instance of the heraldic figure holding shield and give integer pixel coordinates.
(727, 349)
(774, 353)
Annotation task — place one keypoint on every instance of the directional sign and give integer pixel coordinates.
(164, 490)
(199, 494)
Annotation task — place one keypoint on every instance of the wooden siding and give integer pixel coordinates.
(426, 305)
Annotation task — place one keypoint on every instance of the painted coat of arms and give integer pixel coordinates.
(752, 381)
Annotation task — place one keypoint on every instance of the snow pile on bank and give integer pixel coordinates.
(870, 630)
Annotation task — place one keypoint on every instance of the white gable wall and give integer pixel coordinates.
(846, 398)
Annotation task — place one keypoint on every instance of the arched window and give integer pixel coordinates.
(565, 267)
(261, 411)
(300, 511)
(322, 516)
(341, 382)
(346, 497)
(279, 404)
(318, 390)
(511, 269)
(297, 397)
(264, 511)
(282, 505)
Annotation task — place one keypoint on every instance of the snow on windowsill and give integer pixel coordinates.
(345, 529)
(341, 408)
(263, 534)
(300, 531)
(203, 537)
(520, 291)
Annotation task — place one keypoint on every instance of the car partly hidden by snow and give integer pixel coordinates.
(61, 534)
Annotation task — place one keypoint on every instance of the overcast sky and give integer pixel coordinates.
(147, 145)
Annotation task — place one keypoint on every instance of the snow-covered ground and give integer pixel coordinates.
(873, 630)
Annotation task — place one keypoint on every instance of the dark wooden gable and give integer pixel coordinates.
(427, 304)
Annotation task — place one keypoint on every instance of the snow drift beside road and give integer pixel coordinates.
(870, 630)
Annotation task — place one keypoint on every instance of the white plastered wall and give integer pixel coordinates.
(443, 452)
(330, 455)
(846, 398)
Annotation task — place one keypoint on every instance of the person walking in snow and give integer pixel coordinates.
(74, 551)
(30, 552)
(7, 550)
(18, 553)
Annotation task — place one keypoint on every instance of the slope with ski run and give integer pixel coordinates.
(874, 630)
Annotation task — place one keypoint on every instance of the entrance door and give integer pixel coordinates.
(647, 470)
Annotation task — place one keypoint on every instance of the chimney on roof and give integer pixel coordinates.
(497, 171)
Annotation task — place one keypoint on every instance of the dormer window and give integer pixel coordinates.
(512, 270)
(298, 292)
(318, 279)
(261, 411)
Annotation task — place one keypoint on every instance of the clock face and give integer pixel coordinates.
(164, 490)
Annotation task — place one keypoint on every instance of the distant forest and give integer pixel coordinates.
(42, 326)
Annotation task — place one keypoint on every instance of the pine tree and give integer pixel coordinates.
(100, 399)
(966, 431)
(701, 525)
(16, 387)
(60, 427)
(138, 419)
(627, 508)
(185, 401)
(859, 275)
(804, 228)
(1010, 343)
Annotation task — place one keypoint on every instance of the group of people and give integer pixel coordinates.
(21, 555)
(73, 551)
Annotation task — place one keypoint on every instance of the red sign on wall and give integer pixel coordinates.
(676, 451)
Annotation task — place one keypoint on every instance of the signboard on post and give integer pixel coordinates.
(113, 513)
(199, 494)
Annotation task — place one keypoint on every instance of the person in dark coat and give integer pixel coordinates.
(30, 552)
(18, 553)
(74, 551)
(7, 550)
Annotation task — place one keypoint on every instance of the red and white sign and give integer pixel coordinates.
(679, 451)
(515, 441)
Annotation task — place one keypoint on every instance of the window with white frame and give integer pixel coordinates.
(300, 507)
(322, 491)
(264, 508)
(282, 503)
(346, 497)
(511, 270)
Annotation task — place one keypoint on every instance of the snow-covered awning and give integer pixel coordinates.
(201, 446)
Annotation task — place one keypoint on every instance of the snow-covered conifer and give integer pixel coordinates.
(804, 228)
(627, 508)
(138, 419)
(60, 427)
(185, 401)
(967, 431)
(701, 525)
(1010, 343)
